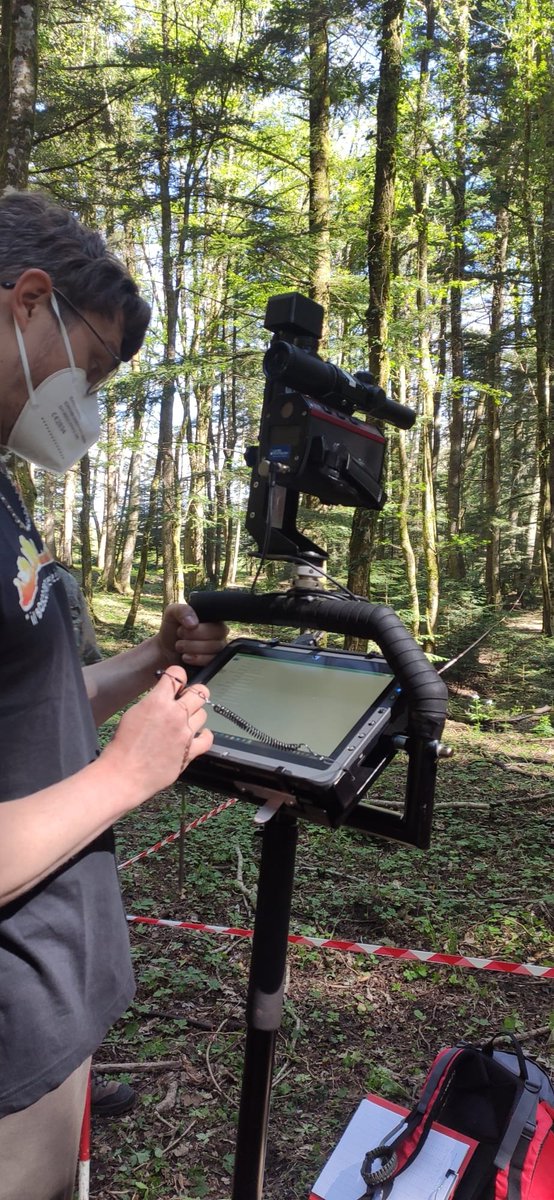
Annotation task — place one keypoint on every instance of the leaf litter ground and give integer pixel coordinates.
(351, 1024)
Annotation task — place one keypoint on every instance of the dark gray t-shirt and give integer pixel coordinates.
(65, 971)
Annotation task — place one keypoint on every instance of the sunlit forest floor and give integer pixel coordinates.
(351, 1024)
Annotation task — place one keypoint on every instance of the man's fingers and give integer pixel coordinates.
(203, 642)
(199, 745)
(175, 678)
(197, 720)
(207, 631)
(194, 698)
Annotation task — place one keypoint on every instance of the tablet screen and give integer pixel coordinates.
(310, 700)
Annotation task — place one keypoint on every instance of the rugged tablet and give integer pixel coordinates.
(307, 722)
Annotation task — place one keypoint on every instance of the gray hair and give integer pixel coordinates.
(36, 232)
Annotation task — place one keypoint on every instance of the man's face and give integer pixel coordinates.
(95, 341)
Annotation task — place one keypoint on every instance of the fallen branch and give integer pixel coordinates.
(514, 769)
(206, 1026)
(169, 1100)
(530, 1036)
(499, 722)
(248, 895)
(170, 1064)
(448, 804)
(177, 1140)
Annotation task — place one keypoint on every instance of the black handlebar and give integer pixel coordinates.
(425, 691)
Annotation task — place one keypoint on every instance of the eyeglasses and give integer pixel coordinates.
(117, 360)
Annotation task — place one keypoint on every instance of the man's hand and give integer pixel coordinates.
(157, 738)
(154, 742)
(183, 639)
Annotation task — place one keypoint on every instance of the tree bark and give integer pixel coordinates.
(111, 485)
(542, 268)
(69, 491)
(84, 522)
(460, 41)
(492, 458)
(18, 87)
(426, 380)
(379, 253)
(48, 525)
(131, 617)
(319, 215)
(403, 515)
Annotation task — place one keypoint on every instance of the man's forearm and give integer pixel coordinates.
(152, 745)
(39, 833)
(115, 682)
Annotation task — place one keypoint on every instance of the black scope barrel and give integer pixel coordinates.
(288, 364)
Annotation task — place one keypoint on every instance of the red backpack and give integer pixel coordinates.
(504, 1102)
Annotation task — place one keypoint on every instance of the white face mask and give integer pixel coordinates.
(60, 421)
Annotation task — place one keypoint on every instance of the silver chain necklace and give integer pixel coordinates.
(23, 522)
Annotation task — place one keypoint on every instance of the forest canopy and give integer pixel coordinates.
(392, 161)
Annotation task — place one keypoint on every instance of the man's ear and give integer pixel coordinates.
(32, 291)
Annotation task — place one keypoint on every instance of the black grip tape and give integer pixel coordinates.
(425, 691)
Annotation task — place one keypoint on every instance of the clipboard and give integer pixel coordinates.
(433, 1175)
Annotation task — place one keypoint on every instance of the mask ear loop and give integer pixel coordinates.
(63, 331)
(23, 352)
(25, 364)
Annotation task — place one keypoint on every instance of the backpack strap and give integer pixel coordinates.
(522, 1123)
(488, 1049)
(418, 1119)
(440, 1066)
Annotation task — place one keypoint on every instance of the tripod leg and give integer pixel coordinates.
(265, 1001)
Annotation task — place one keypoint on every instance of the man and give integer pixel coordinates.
(69, 315)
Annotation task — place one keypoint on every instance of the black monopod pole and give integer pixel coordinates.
(265, 1000)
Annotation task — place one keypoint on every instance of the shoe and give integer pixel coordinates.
(109, 1097)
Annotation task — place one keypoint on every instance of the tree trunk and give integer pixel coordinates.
(111, 483)
(403, 522)
(379, 252)
(85, 514)
(492, 458)
(170, 490)
(426, 381)
(542, 270)
(197, 501)
(133, 516)
(48, 526)
(131, 617)
(439, 386)
(18, 86)
(460, 40)
(69, 491)
(319, 218)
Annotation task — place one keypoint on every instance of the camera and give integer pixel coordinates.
(309, 439)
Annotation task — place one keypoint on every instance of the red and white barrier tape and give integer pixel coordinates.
(172, 837)
(426, 956)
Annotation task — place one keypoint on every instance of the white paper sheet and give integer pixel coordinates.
(433, 1174)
